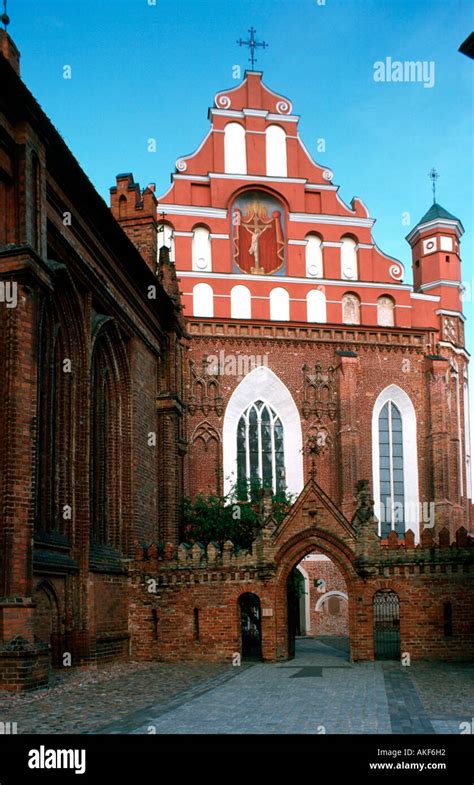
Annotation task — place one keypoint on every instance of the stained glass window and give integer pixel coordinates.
(260, 447)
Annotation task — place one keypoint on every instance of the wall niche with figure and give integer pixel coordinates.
(258, 234)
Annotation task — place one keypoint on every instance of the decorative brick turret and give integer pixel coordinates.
(136, 213)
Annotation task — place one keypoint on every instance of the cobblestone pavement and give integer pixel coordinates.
(447, 693)
(85, 700)
(318, 691)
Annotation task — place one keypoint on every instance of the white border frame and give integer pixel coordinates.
(410, 453)
(262, 383)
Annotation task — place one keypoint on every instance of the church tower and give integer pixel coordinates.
(435, 244)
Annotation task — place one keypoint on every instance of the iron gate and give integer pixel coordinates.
(386, 608)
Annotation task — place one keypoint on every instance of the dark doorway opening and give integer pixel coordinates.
(294, 591)
(251, 626)
(386, 607)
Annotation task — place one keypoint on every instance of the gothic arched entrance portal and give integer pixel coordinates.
(314, 527)
(386, 607)
(250, 626)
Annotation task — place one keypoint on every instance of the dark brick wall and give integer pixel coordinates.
(96, 286)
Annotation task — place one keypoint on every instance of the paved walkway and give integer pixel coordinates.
(317, 692)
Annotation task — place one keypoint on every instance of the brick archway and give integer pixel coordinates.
(289, 557)
(314, 524)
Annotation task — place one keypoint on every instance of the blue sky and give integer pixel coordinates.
(143, 69)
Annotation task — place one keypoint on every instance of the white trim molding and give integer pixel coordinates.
(327, 595)
(434, 284)
(381, 285)
(263, 384)
(437, 223)
(319, 218)
(434, 298)
(445, 312)
(192, 210)
(254, 178)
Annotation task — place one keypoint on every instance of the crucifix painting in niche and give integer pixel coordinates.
(258, 241)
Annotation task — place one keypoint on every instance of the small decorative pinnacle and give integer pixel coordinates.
(434, 176)
(317, 444)
(252, 44)
(4, 18)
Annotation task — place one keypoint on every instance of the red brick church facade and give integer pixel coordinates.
(244, 325)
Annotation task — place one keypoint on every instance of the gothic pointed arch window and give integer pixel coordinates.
(276, 152)
(392, 487)
(60, 366)
(395, 463)
(49, 423)
(100, 430)
(386, 311)
(262, 384)
(467, 432)
(350, 308)
(109, 436)
(235, 156)
(260, 448)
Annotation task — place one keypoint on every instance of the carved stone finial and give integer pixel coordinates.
(364, 513)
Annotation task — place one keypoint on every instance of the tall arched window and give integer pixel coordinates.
(385, 311)
(349, 259)
(279, 305)
(240, 303)
(235, 156)
(166, 237)
(261, 384)
(201, 249)
(110, 436)
(260, 449)
(392, 493)
(50, 352)
(203, 300)
(395, 463)
(350, 309)
(101, 383)
(314, 256)
(467, 434)
(316, 306)
(276, 152)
